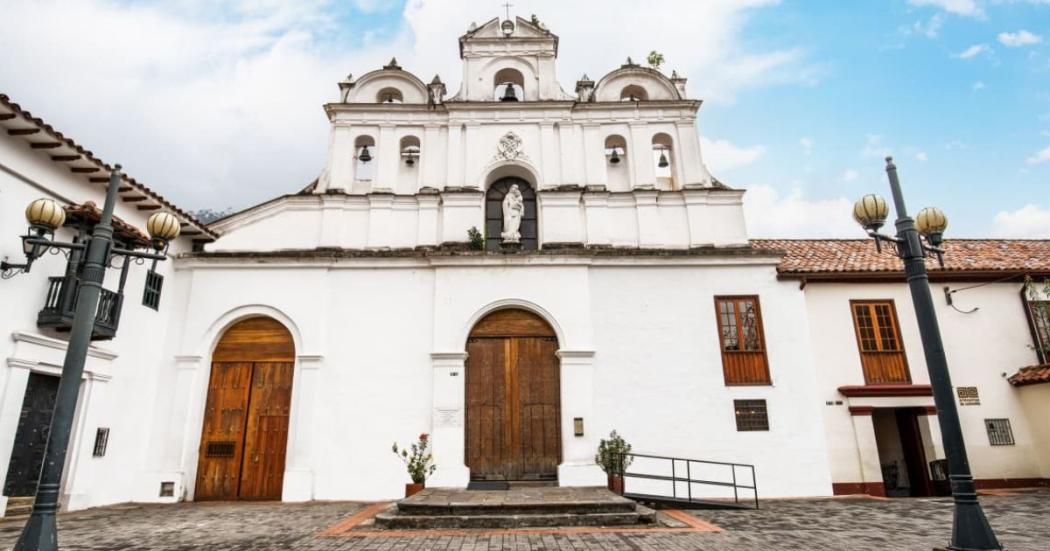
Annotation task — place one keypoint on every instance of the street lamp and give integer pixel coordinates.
(97, 245)
(970, 528)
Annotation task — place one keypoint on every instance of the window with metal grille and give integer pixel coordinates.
(999, 432)
(741, 338)
(101, 441)
(751, 415)
(151, 294)
(219, 449)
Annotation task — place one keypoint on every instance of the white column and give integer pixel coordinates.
(299, 458)
(428, 219)
(596, 214)
(447, 432)
(867, 449)
(388, 157)
(592, 149)
(577, 401)
(379, 219)
(640, 153)
(432, 156)
(180, 443)
(16, 378)
(550, 162)
(699, 218)
(332, 220)
(648, 219)
(454, 148)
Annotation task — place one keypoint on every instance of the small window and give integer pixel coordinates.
(151, 293)
(999, 432)
(508, 85)
(879, 341)
(751, 415)
(101, 442)
(742, 340)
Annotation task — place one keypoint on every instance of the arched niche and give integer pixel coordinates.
(494, 196)
(634, 92)
(390, 95)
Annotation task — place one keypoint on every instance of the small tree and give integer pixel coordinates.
(477, 241)
(417, 459)
(610, 456)
(656, 59)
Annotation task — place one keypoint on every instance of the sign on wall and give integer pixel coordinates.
(968, 396)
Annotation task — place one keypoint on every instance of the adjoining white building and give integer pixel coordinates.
(296, 340)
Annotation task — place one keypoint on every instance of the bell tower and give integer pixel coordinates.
(518, 54)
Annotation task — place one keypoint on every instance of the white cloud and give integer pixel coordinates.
(973, 51)
(721, 156)
(874, 148)
(1019, 38)
(968, 8)
(922, 156)
(1041, 156)
(807, 145)
(850, 175)
(769, 214)
(979, 85)
(1029, 221)
(218, 104)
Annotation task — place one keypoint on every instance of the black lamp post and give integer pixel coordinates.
(970, 528)
(44, 216)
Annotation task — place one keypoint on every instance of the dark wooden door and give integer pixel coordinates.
(513, 429)
(245, 432)
(914, 456)
(27, 456)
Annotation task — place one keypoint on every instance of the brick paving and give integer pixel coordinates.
(832, 524)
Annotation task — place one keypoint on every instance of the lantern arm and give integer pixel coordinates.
(139, 254)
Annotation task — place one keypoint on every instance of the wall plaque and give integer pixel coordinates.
(448, 418)
(968, 396)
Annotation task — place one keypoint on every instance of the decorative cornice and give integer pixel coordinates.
(56, 344)
(886, 390)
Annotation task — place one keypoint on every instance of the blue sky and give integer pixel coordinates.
(217, 104)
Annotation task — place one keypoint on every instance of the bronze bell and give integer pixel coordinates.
(615, 157)
(509, 94)
(663, 161)
(365, 156)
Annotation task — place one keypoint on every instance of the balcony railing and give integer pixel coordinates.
(60, 305)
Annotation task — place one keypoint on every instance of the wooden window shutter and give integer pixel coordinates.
(742, 341)
(879, 342)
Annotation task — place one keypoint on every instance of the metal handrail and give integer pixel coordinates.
(689, 480)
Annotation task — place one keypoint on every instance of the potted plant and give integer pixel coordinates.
(612, 458)
(419, 462)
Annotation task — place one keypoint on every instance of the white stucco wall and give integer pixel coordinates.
(118, 372)
(982, 349)
(381, 346)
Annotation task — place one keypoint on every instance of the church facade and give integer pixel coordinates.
(516, 271)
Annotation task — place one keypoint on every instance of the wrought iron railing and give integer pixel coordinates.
(60, 305)
(738, 477)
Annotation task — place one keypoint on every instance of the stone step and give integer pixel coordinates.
(18, 506)
(423, 508)
(415, 522)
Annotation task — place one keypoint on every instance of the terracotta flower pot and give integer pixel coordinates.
(414, 488)
(616, 484)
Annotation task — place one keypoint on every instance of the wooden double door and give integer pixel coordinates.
(513, 427)
(245, 432)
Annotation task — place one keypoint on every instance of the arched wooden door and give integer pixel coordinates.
(245, 429)
(513, 400)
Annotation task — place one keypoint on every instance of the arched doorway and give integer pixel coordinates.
(494, 213)
(245, 429)
(513, 417)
